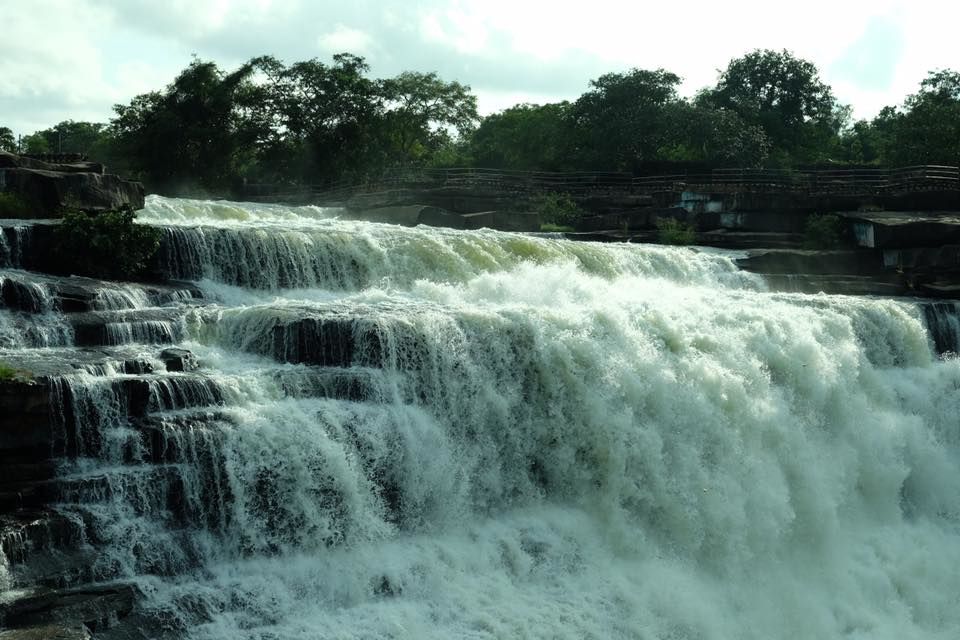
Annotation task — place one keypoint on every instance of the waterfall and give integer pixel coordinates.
(417, 432)
(14, 243)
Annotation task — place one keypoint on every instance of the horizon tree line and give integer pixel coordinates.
(312, 122)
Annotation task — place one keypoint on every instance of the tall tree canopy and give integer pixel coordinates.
(927, 128)
(187, 134)
(525, 137)
(307, 122)
(624, 119)
(784, 96)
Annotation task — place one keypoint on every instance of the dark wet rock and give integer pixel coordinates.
(105, 328)
(902, 229)
(137, 366)
(408, 215)
(26, 431)
(179, 360)
(61, 163)
(93, 606)
(943, 325)
(162, 432)
(36, 292)
(840, 261)
(21, 296)
(141, 626)
(48, 632)
(58, 568)
(50, 189)
(437, 217)
(328, 342)
(344, 384)
(18, 472)
(503, 220)
(28, 495)
(853, 285)
(25, 532)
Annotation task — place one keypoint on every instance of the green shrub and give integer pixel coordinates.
(673, 231)
(13, 206)
(557, 209)
(108, 244)
(823, 232)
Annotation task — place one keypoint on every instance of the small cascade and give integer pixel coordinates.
(943, 323)
(14, 244)
(24, 295)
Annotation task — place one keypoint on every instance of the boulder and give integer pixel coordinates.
(179, 360)
(48, 192)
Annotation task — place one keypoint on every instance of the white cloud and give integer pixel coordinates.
(345, 39)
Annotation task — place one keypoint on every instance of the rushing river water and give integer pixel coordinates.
(427, 433)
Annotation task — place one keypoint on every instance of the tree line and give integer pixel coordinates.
(315, 122)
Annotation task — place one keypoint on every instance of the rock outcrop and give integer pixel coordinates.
(48, 189)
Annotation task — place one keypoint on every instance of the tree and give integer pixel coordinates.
(68, 137)
(624, 119)
(329, 116)
(927, 129)
(524, 137)
(187, 134)
(36, 143)
(422, 111)
(717, 137)
(863, 142)
(785, 96)
(7, 140)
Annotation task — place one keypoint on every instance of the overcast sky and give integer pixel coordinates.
(74, 59)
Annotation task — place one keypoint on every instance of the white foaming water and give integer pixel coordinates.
(499, 436)
(296, 247)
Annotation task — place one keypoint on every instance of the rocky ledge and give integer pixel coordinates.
(47, 189)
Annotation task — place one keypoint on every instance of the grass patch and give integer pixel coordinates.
(673, 231)
(556, 228)
(9, 374)
(13, 205)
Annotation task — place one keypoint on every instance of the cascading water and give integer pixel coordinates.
(427, 433)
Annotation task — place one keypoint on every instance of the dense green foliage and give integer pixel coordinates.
(108, 244)
(785, 97)
(315, 122)
(13, 206)
(7, 141)
(309, 122)
(526, 137)
(557, 209)
(823, 231)
(673, 231)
